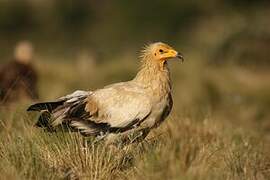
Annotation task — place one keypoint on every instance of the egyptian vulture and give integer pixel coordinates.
(18, 78)
(118, 109)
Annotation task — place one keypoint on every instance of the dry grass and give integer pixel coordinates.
(219, 129)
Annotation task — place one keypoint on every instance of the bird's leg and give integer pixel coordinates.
(131, 136)
(137, 135)
(100, 137)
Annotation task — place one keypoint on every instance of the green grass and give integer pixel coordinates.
(219, 129)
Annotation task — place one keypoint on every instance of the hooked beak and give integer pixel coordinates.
(173, 54)
(180, 56)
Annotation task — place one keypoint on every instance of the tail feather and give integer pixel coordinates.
(59, 116)
(60, 111)
(44, 120)
(49, 106)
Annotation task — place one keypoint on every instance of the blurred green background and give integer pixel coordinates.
(216, 30)
(82, 44)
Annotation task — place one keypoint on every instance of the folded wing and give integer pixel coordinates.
(116, 108)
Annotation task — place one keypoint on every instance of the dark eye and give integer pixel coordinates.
(161, 51)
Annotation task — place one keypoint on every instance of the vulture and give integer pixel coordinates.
(18, 78)
(125, 110)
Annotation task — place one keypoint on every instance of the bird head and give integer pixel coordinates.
(161, 52)
(23, 52)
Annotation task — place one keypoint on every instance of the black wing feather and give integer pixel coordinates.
(49, 106)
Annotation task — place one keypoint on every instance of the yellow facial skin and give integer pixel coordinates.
(164, 52)
(164, 55)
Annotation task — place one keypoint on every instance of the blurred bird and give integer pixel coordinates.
(18, 77)
(121, 109)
